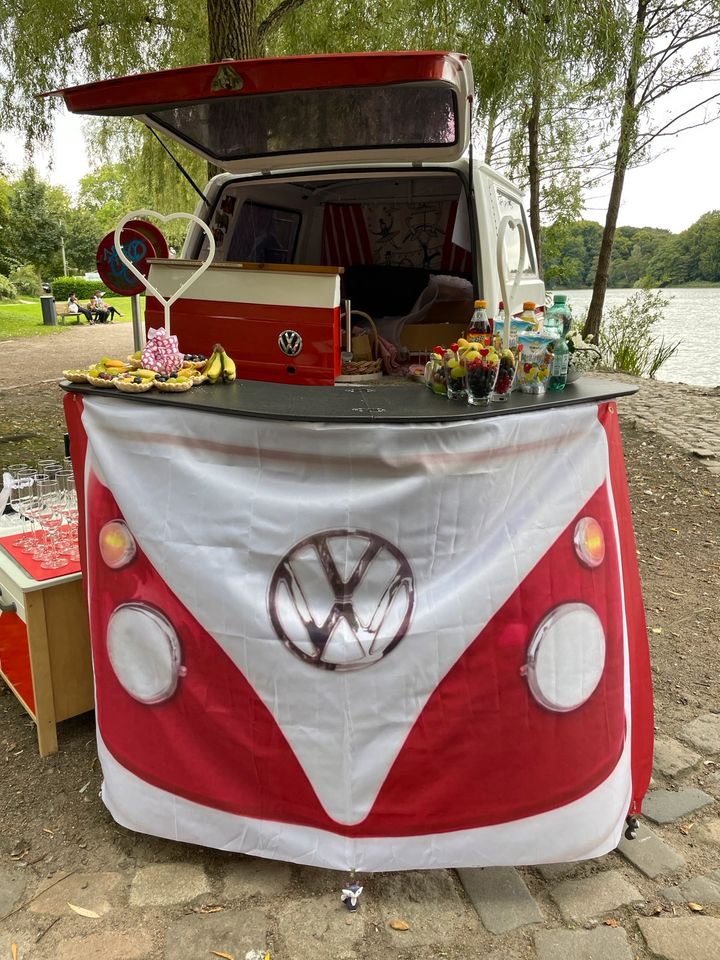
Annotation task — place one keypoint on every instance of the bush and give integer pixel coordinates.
(7, 289)
(62, 287)
(26, 281)
(628, 340)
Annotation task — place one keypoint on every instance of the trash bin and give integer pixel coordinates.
(47, 305)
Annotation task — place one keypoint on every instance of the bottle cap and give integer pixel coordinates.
(480, 304)
(560, 298)
(528, 305)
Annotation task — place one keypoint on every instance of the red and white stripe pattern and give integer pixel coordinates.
(345, 238)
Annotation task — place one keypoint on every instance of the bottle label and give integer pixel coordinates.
(560, 365)
(476, 336)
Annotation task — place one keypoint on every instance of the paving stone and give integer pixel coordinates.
(162, 884)
(682, 938)
(430, 901)
(666, 806)
(602, 943)
(500, 897)
(651, 855)
(12, 887)
(554, 871)
(710, 830)
(109, 946)
(236, 932)
(252, 876)
(672, 759)
(697, 890)
(594, 896)
(318, 929)
(703, 733)
(100, 892)
(712, 784)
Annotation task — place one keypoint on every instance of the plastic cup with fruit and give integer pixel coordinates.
(482, 371)
(455, 372)
(507, 370)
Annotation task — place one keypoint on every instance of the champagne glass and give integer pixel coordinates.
(20, 495)
(50, 516)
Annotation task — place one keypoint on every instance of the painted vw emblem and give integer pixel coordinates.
(290, 342)
(342, 599)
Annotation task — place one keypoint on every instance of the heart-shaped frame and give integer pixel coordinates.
(165, 218)
(513, 224)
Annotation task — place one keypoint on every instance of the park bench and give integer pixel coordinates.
(62, 312)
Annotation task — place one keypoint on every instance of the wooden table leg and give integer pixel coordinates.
(41, 672)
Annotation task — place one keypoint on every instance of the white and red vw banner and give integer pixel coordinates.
(369, 646)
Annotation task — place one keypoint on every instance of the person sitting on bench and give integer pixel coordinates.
(104, 312)
(74, 308)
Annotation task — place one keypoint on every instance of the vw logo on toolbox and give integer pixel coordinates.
(290, 342)
(342, 599)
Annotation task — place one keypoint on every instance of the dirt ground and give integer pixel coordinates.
(49, 808)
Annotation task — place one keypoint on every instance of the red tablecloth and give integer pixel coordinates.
(31, 566)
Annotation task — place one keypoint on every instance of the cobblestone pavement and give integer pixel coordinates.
(657, 896)
(162, 901)
(687, 416)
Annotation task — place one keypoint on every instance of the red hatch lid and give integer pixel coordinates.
(246, 115)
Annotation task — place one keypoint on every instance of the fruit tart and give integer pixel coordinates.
(130, 384)
(173, 384)
(76, 376)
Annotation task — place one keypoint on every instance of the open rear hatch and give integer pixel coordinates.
(250, 115)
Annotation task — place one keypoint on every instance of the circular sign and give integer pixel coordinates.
(113, 271)
(153, 234)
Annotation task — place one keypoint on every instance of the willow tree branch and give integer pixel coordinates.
(280, 11)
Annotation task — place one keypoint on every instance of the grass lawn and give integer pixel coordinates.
(23, 318)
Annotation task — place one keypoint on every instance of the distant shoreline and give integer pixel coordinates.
(697, 285)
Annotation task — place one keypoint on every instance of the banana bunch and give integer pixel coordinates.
(220, 367)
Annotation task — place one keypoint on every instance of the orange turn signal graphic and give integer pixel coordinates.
(589, 542)
(117, 544)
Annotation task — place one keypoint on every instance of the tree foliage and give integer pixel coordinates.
(641, 256)
(673, 45)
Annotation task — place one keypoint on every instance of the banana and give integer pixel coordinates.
(229, 369)
(214, 368)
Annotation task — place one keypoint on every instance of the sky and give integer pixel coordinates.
(671, 192)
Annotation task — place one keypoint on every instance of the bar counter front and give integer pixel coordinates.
(365, 627)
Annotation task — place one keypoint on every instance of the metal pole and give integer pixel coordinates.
(62, 248)
(138, 331)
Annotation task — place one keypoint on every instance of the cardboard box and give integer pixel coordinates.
(422, 337)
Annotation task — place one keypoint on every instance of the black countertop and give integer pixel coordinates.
(352, 403)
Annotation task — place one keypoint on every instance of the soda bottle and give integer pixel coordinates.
(480, 330)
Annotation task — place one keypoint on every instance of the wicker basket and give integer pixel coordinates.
(364, 368)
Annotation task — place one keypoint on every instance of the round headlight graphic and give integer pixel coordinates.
(117, 544)
(144, 651)
(566, 657)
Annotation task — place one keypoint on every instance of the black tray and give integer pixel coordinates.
(401, 401)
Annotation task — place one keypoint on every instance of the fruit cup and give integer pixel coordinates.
(435, 372)
(455, 372)
(482, 372)
(507, 369)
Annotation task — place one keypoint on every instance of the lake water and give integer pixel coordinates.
(692, 316)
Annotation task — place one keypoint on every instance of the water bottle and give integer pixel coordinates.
(558, 320)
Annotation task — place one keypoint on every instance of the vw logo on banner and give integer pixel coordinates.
(342, 599)
(290, 342)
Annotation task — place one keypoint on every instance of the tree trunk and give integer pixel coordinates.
(628, 133)
(534, 171)
(233, 30)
